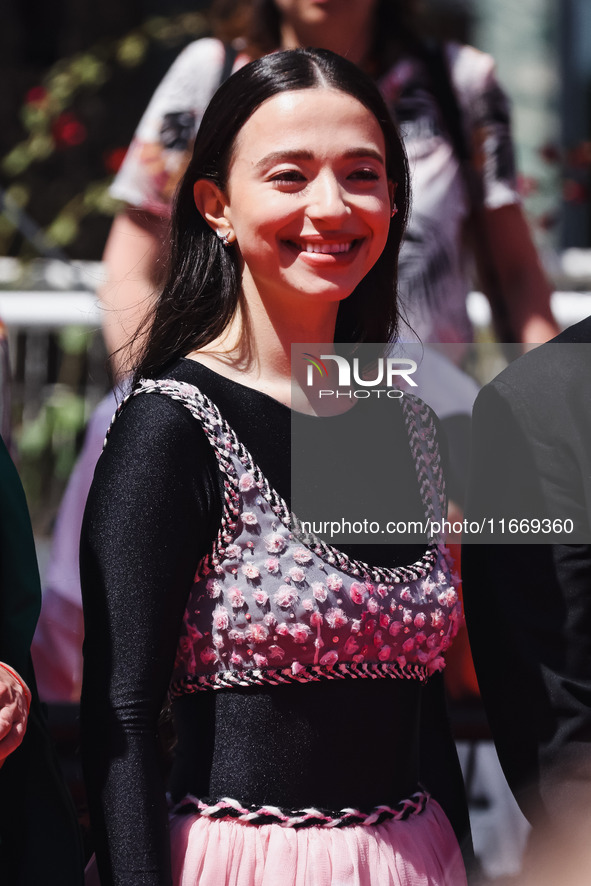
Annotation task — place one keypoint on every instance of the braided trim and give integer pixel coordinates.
(305, 674)
(225, 444)
(302, 818)
(429, 470)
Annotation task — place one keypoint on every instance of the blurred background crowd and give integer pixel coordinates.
(76, 79)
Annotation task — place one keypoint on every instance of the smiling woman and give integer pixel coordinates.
(307, 205)
(266, 202)
(194, 577)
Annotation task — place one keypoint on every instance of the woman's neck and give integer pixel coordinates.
(256, 349)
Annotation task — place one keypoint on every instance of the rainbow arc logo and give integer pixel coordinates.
(315, 363)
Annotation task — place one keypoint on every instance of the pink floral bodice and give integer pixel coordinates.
(271, 605)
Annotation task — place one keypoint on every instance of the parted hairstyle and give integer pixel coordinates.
(202, 291)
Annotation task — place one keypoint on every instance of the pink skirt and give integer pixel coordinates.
(419, 851)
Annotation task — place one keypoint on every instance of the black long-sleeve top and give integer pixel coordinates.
(153, 512)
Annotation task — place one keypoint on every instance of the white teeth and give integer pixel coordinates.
(328, 248)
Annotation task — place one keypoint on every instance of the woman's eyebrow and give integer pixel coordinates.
(304, 154)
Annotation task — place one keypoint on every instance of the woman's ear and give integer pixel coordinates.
(212, 204)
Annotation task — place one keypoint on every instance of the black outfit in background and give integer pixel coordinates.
(528, 606)
(39, 837)
(153, 512)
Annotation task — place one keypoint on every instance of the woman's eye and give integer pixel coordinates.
(288, 176)
(365, 174)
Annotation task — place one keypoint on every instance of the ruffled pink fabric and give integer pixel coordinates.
(421, 851)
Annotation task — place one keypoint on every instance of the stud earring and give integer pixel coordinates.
(224, 238)
(394, 210)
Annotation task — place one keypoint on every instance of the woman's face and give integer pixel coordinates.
(308, 198)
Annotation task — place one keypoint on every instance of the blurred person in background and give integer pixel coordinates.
(39, 837)
(527, 597)
(453, 117)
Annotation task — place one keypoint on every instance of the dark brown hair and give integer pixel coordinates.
(203, 286)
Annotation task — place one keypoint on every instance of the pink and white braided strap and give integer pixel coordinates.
(302, 818)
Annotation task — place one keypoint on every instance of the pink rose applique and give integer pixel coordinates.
(257, 633)
(336, 618)
(316, 620)
(300, 633)
(437, 618)
(214, 587)
(330, 659)
(302, 556)
(297, 574)
(246, 483)
(319, 591)
(234, 552)
(285, 596)
(275, 543)
(437, 664)
(357, 592)
(448, 598)
(250, 571)
(249, 518)
(221, 618)
(236, 597)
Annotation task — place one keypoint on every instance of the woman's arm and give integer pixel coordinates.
(135, 264)
(148, 521)
(521, 285)
(153, 166)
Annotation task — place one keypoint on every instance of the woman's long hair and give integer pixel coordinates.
(201, 293)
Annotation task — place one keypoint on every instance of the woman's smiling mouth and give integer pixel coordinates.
(323, 247)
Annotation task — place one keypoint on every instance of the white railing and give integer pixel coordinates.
(51, 309)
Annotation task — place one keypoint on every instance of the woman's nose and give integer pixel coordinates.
(328, 201)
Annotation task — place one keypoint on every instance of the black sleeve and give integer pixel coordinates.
(527, 606)
(152, 512)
